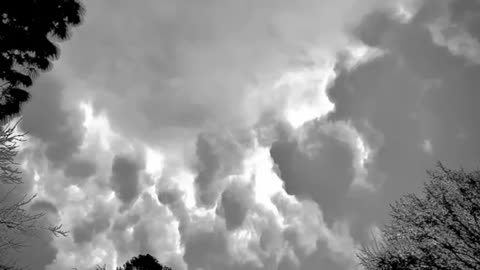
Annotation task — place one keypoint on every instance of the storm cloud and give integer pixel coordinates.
(227, 135)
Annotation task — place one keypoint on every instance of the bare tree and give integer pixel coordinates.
(438, 230)
(9, 142)
(17, 224)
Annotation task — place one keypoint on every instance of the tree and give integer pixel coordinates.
(29, 31)
(143, 262)
(439, 230)
(16, 222)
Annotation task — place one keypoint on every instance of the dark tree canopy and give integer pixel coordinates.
(438, 230)
(143, 262)
(29, 31)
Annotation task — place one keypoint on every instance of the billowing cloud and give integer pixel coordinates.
(125, 178)
(256, 135)
(80, 169)
(161, 77)
(207, 250)
(320, 169)
(235, 202)
(218, 157)
(94, 223)
(52, 121)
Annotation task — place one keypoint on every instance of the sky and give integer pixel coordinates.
(245, 135)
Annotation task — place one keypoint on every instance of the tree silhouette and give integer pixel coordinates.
(439, 230)
(29, 30)
(143, 262)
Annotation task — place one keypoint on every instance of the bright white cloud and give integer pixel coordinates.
(305, 94)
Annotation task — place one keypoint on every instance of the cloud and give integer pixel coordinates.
(125, 178)
(279, 130)
(466, 14)
(418, 91)
(80, 169)
(169, 69)
(324, 161)
(48, 118)
(39, 250)
(40, 206)
(254, 221)
(207, 250)
(94, 223)
(218, 156)
(253, 224)
(235, 204)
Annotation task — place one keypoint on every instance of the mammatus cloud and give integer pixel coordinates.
(250, 227)
(124, 180)
(261, 135)
(234, 204)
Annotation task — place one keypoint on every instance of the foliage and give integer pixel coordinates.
(439, 230)
(143, 262)
(29, 30)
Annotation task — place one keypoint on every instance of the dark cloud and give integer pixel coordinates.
(386, 95)
(118, 234)
(418, 91)
(147, 227)
(217, 157)
(271, 237)
(38, 254)
(80, 169)
(142, 235)
(323, 173)
(382, 100)
(306, 226)
(375, 28)
(42, 206)
(207, 250)
(322, 259)
(96, 222)
(152, 233)
(39, 250)
(169, 197)
(234, 204)
(450, 119)
(125, 178)
(287, 263)
(47, 118)
(83, 233)
(208, 165)
(175, 74)
(467, 14)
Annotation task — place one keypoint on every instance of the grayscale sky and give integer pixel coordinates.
(246, 134)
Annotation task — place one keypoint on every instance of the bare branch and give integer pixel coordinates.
(439, 230)
(17, 224)
(9, 140)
